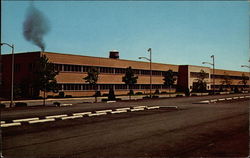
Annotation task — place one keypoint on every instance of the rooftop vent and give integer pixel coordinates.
(114, 54)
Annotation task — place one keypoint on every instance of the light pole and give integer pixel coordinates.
(150, 62)
(213, 64)
(12, 72)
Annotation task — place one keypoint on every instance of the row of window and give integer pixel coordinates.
(198, 74)
(80, 87)
(110, 70)
(226, 86)
(230, 77)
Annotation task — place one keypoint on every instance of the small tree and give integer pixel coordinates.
(201, 84)
(92, 78)
(226, 81)
(111, 95)
(45, 73)
(169, 79)
(244, 79)
(129, 79)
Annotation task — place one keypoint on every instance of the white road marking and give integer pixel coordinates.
(229, 98)
(11, 124)
(137, 109)
(241, 97)
(213, 100)
(247, 96)
(153, 107)
(82, 113)
(205, 102)
(66, 104)
(235, 97)
(117, 112)
(56, 116)
(2, 122)
(27, 119)
(123, 109)
(43, 120)
(221, 99)
(96, 114)
(71, 117)
(175, 107)
(103, 111)
(111, 101)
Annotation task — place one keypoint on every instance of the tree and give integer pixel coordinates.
(169, 79)
(92, 78)
(129, 79)
(200, 85)
(244, 79)
(45, 76)
(226, 81)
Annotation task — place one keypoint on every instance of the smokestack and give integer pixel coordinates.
(35, 27)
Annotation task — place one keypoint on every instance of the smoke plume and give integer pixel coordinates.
(35, 27)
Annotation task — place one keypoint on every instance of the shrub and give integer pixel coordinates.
(20, 104)
(97, 94)
(57, 96)
(163, 92)
(57, 103)
(111, 95)
(179, 95)
(187, 92)
(50, 96)
(68, 96)
(131, 92)
(105, 94)
(146, 97)
(157, 91)
(194, 94)
(2, 105)
(236, 90)
(37, 97)
(138, 93)
(104, 100)
(61, 94)
(155, 96)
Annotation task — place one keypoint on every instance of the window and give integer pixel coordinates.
(106, 70)
(106, 86)
(17, 67)
(85, 68)
(145, 86)
(120, 86)
(145, 72)
(197, 74)
(119, 70)
(156, 73)
(58, 67)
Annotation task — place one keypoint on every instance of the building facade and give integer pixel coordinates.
(73, 68)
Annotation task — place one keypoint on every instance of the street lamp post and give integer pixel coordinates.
(12, 72)
(213, 64)
(150, 62)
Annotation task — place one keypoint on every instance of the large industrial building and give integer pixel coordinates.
(73, 68)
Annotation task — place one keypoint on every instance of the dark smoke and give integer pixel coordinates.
(35, 27)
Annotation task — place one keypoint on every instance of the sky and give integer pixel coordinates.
(179, 32)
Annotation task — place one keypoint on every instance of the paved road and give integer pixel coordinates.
(188, 131)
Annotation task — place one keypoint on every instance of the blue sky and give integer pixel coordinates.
(186, 32)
